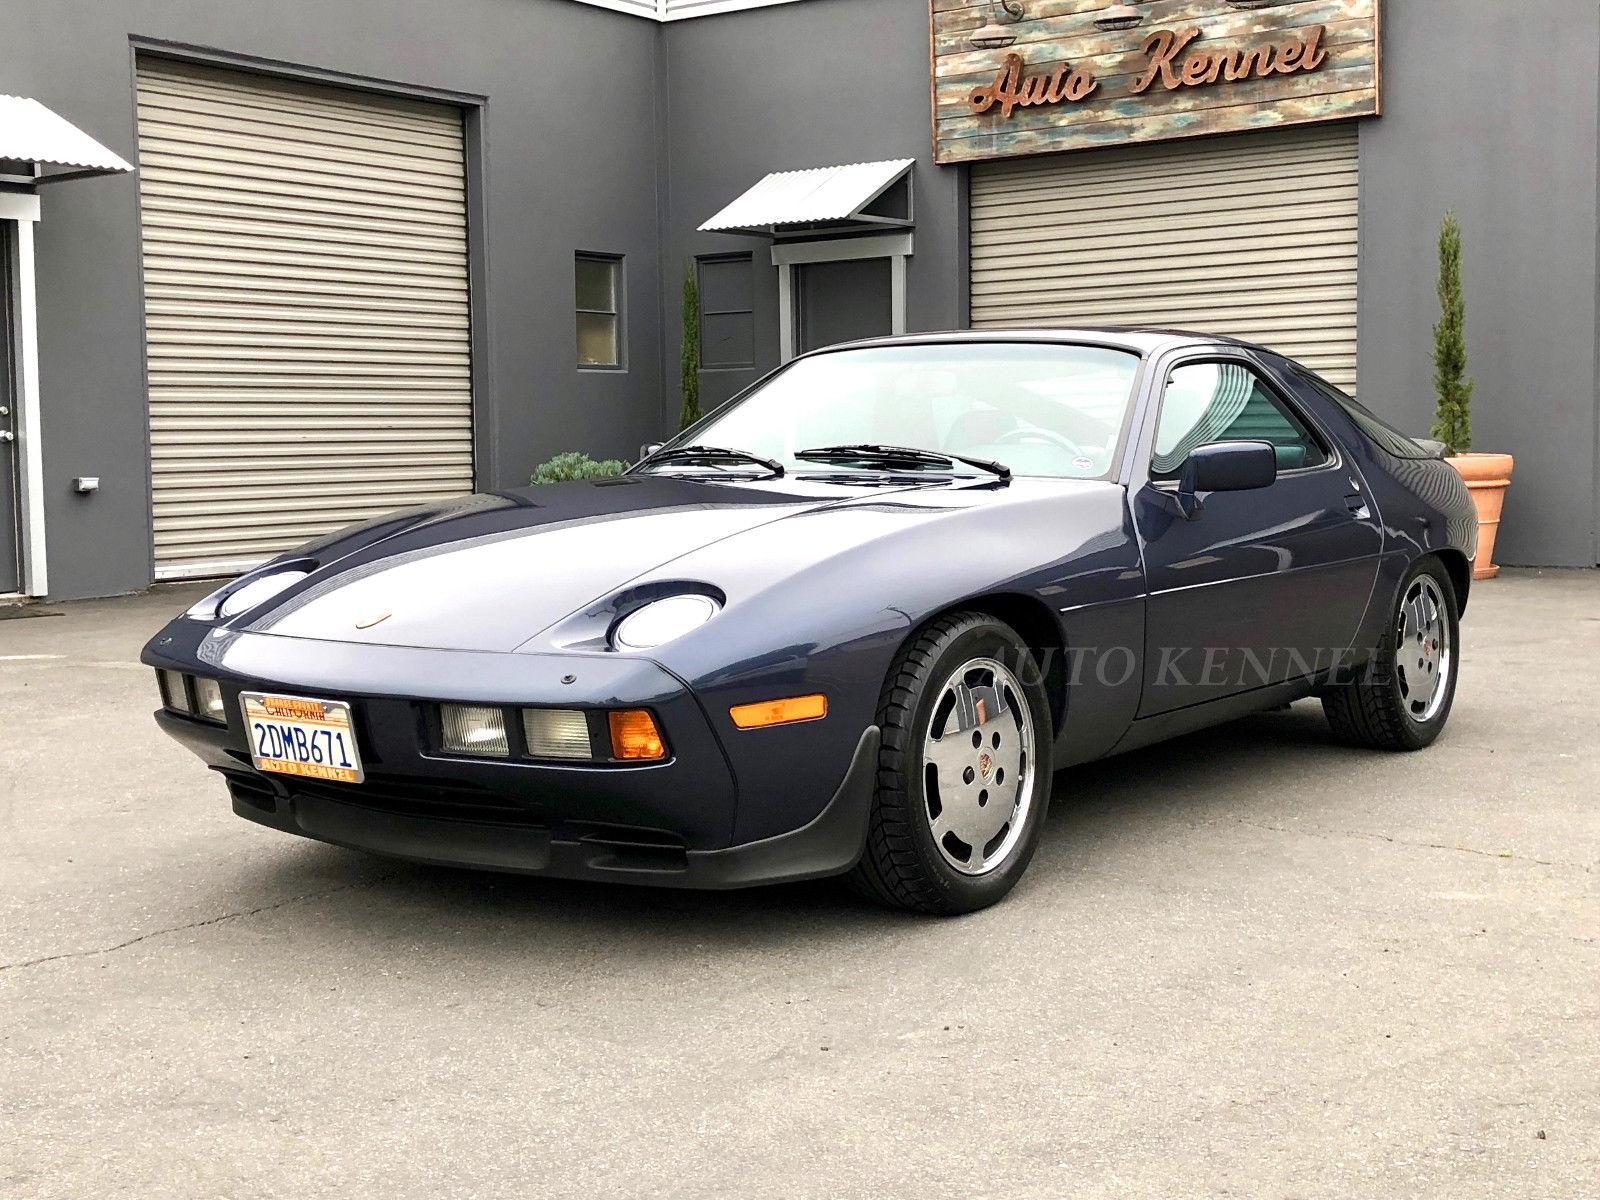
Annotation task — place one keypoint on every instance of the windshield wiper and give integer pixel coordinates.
(900, 456)
(710, 456)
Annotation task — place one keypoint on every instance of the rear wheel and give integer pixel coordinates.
(1403, 699)
(963, 772)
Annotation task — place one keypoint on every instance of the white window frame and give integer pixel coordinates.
(18, 214)
(786, 256)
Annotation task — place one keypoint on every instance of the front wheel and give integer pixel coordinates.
(1403, 698)
(963, 772)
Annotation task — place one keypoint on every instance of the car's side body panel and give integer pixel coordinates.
(847, 585)
(1422, 504)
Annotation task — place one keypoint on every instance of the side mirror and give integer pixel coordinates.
(1225, 467)
(646, 450)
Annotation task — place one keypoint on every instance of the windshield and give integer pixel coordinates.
(1042, 409)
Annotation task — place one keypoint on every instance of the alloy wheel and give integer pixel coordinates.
(978, 766)
(1423, 654)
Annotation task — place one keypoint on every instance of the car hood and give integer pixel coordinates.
(488, 572)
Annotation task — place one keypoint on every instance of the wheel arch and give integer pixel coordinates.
(1039, 629)
(1460, 572)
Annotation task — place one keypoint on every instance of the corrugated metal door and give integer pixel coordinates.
(1253, 236)
(305, 267)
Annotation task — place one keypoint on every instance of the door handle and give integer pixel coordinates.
(1357, 504)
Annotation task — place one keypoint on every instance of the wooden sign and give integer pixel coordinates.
(1190, 68)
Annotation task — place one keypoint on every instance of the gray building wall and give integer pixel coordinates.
(801, 85)
(1514, 149)
(1492, 108)
(568, 165)
(610, 133)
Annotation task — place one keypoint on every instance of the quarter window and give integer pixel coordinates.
(1228, 402)
(1379, 430)
(599, 294)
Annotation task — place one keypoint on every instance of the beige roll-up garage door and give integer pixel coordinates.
(305, 268)
(1252, 236)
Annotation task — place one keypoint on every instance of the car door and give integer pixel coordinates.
(1260, 586)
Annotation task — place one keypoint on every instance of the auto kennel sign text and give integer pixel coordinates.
(1065, 85)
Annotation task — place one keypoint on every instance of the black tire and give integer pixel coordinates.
(1372, 710)
(902, 866)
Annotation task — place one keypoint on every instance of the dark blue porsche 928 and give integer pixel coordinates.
(849, 624)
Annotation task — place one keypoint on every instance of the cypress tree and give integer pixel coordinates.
(691, 350)
(1453, 424)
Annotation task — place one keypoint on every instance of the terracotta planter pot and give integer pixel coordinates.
(1487, 476)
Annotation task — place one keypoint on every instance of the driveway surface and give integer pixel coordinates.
(1249, 963)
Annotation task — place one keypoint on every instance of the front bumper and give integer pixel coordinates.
(386, 820)
(669, 823)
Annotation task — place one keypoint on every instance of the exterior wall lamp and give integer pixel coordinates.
(1118, 16)
(997, 33)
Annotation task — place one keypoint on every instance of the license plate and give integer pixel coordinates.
(294, 735)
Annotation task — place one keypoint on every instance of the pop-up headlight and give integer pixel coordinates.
(661, 621)
(241, 595)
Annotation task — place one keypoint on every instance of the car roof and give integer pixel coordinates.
(1140, 340)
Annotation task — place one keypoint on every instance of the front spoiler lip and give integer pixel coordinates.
(830, 844)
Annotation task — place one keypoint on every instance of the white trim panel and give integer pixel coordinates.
(30, 454)
(19, 206)
(679, 10)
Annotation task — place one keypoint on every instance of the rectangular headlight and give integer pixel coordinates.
(557, 733)
(474, 729)
(208, 700)
(174, 695)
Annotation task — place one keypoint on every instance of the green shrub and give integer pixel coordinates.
(576, 465)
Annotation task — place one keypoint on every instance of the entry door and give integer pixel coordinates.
(10, 503)
(844, 301)
(1263, 586)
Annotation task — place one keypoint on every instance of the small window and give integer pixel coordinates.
(727, 316)
(1227, 402)
(599, 295)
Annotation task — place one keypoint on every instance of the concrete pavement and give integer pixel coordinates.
(1248, 963)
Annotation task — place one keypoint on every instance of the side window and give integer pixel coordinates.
(598, 290)
(727, 319)
(1209, 402)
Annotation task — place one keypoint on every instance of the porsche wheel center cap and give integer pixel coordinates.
(985, 764)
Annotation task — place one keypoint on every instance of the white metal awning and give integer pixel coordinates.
(820, 198)
(49, 145)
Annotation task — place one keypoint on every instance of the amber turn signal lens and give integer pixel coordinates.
(779, 712)
(634, 736)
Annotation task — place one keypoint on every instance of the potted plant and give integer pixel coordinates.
(1487, 475)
